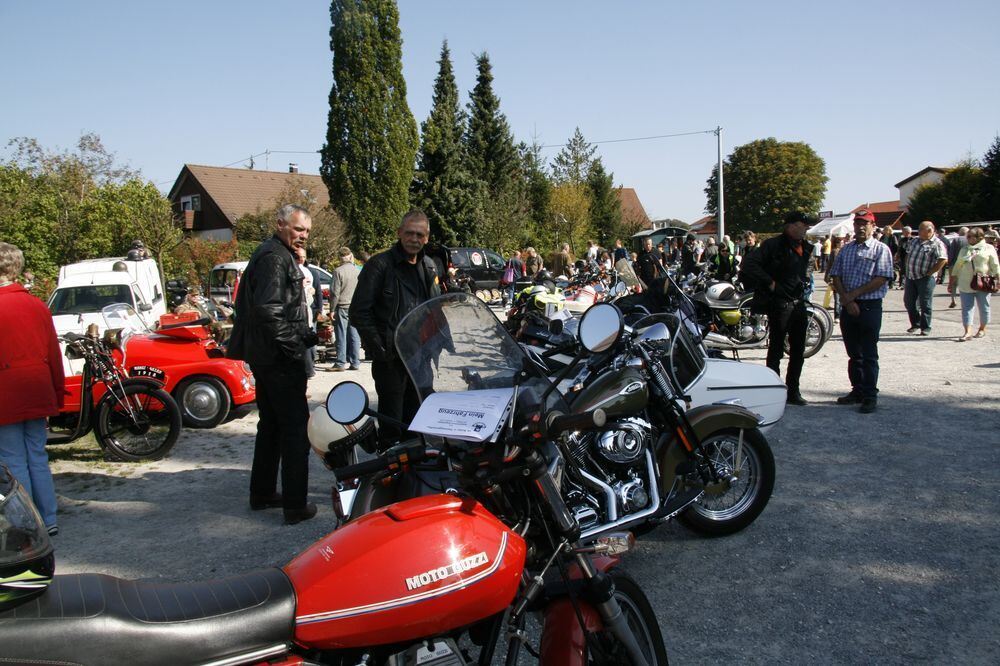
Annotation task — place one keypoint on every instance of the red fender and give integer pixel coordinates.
(564, 642)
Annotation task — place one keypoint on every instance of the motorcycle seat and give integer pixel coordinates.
(97, 619)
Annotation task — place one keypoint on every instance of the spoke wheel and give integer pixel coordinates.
(141, 425)
(728, 508)
(640, 618)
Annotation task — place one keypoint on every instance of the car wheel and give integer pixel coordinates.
(204, 402)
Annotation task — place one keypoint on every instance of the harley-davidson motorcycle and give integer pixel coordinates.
(439, 579)
(652, 460)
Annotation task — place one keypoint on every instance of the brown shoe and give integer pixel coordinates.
(296, 516)
(259, 502)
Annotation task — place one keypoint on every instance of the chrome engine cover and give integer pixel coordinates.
(624, 444)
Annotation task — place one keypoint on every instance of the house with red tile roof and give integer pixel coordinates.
(211, 199)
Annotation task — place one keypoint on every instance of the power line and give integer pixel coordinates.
(638, 138)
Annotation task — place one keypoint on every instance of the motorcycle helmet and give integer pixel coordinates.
(26, 560)
(720, 291)
(334, 442)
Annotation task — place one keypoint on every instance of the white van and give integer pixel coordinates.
(86, 287)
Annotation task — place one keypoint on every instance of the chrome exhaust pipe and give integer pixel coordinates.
(617, 523)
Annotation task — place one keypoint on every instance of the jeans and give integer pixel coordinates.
(860, 335)
(787, 319)
(348, 340)
(918, 297)
(22, 450)
(281, 434)
(969, 300)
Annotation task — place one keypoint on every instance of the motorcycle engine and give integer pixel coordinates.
(612, 481)
(625, 444)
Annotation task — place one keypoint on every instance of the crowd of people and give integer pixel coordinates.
(278, 305)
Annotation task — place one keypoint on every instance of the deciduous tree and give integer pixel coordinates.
(953, 200)
(764, 180)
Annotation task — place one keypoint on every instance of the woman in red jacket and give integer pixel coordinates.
(31, 384)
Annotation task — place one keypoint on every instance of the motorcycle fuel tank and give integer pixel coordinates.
(618, 392)
(412, 569)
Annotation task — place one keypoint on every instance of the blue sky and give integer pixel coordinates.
(879, 89)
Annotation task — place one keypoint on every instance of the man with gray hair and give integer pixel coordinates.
(345, 281)
(272, 334)
(904, 243)
(391, 284)
(925, 256)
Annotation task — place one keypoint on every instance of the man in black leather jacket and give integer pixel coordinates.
(391, 284)
(272, 334)
(778, 272)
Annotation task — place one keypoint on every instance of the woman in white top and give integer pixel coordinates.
(976, 257)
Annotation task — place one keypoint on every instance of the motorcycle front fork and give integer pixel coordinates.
(599, 590)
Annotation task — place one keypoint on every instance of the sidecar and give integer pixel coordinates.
(749, 385)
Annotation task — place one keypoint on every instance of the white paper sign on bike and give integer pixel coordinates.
(470, 416)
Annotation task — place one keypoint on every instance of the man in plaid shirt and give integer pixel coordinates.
(925, 256)
(861, 274)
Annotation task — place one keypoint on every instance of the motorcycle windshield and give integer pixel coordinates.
(686, 358)
(455, 343)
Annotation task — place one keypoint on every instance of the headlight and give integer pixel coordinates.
(246, 368)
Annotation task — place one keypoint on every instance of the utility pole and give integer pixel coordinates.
(721, 217)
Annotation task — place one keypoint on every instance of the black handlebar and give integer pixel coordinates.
(394, 457)
(586, 421)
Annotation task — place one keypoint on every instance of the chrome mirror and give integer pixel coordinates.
(600, 327)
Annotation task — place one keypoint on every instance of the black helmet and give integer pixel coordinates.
(544, 275)
(26, 560)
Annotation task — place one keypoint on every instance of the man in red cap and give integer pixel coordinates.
(861, 274)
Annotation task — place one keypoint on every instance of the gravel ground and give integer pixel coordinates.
(878, 546)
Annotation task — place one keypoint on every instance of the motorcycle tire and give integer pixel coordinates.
(204, 402)
(732, 509)
(816, 337)
(640, 618)
(147, 433)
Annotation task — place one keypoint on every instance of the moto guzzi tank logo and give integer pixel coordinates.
(454, 569)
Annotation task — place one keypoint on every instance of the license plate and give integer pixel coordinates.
(147, 371)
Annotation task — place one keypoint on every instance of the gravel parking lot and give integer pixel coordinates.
(879, 544)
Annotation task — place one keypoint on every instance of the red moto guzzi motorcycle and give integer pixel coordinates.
(432, 581)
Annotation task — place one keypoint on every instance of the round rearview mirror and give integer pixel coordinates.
(600, 327)
(347, 402)
(619, 289)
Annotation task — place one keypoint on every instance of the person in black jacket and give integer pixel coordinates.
(272, 334)
(391, 284)
(648, 266)
(778, 272)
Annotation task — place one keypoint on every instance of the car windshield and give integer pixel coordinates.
(89, 298)
(121, 316)
(455, 343)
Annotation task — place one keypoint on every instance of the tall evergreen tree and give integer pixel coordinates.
(371, 140)
(605, 206)
(492, 157)
(501, 201)
(538, 188)
(442, 186)
(989, 200)
(572, 164)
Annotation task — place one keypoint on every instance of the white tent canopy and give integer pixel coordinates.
(839, 226)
